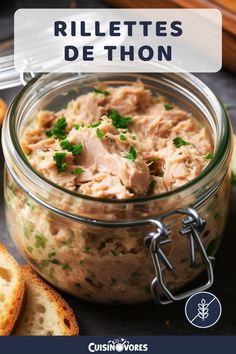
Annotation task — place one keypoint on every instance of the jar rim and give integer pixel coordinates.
(221, 153)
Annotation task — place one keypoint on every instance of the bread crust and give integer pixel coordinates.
(3, 109)
(63, 309)
(13, 309)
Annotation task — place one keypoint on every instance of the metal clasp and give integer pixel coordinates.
(193, 225)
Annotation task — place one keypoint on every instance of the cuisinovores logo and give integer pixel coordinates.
(117, 345)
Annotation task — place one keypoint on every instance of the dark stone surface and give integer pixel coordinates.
(149, 319)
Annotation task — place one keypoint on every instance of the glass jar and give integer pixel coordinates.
(117, 250)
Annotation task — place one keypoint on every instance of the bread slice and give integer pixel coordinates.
(12, 288)
(45, 313)
(3, 109)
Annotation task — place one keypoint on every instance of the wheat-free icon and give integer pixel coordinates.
(203, 309)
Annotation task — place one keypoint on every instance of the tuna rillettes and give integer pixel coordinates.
(119, 143)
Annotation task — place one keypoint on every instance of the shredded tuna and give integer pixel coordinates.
(118, 144)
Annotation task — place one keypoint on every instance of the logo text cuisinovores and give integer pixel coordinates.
(117, 345)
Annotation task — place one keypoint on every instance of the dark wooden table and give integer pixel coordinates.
(149, 319)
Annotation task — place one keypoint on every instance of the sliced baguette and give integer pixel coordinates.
(3, 109)
(12, 288)
(45, 313)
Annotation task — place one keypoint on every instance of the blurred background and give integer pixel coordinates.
(143, 319)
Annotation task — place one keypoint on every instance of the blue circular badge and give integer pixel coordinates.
(203, 309)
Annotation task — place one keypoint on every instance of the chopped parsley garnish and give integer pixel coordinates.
(105, 93)
(66, 145)
(58, 131)
(118, 120)
(29, 249)
(51, 254)
(77, 126)
(87, 249)
(208, 156)
(40, 241)
(151, 186)
(155, 159)
(123, 137)
(55, 261)
(65, 266)
(77, 171)
(132, 154)
(95, 125)
(99, 133)
(59, 158)
(75, 149)
(168, 106)
(114, 253)
(178, 142)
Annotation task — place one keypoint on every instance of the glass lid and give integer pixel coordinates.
(9, 77)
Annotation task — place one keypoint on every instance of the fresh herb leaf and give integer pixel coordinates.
(75, 149)
(87, 249)
(95, 125)
(132, 154)
(178, 142)
(65, 266)
(44, 262)
(208, 156)
(114, 253)
(155, 159)
(105, 93)
(40, 241)
(99, 133)
(66, 145)
(123, 137)
(77, 126)
(55, 261)
(29, 248)
(118, 120)
(59, 158)
(168, 106)
(51, 254)
(151, 186)
(58, 131)
(77, 171)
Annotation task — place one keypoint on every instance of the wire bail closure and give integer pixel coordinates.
(193, 225)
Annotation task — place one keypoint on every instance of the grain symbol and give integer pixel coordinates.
(203, 311)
